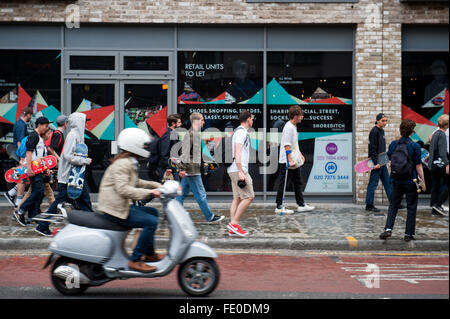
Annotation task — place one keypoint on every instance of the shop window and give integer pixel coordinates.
(321, 84)
(425, 94)
(97, 102)
(220, 85)
(146, 63)
(90, 62)
(27, 78)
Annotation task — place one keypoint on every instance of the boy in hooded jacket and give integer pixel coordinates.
(77, 124)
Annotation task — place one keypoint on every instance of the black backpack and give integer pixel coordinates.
(154, 150)
(401, 163)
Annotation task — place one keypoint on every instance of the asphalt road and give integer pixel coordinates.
(262, 275)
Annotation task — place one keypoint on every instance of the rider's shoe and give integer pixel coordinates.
(140, 266)
(151, 259)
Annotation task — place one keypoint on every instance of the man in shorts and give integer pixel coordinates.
(241, 182)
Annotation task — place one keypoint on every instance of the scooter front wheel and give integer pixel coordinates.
(198, 276)
(69, 286)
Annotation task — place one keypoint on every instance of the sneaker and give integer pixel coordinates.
(11, 199)
(231, 234)
(371, 208)
(445, 208)
(216, 219)
(386, 234)
(438, 210)
(20, 218)
(237, 230)
(305, 208)
(408, 238)
(44, 232)
(284, 210)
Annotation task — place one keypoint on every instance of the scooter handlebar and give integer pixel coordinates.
(170, 188)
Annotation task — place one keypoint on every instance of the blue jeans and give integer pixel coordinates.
(84, 202)
(195, 184)
(31, 205)
(141, 217)
(375, 176)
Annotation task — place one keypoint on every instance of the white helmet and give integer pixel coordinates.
(134, 140)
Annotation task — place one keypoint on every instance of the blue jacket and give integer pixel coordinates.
(414, 152)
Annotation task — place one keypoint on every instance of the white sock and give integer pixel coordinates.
(19, 199)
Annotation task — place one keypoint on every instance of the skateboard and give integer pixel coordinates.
(53, 218)
(367, 164)
(76, 177)
(19, 174)
(424, 156)
(420, 185)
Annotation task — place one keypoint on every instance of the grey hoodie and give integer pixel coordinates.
(77, 123)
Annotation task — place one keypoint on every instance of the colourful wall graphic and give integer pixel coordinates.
(426, 126)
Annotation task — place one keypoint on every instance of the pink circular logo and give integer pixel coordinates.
(331, 148)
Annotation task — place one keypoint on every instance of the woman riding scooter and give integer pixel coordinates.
(120, 185)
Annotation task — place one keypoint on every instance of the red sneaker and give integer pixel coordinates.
(236, 229)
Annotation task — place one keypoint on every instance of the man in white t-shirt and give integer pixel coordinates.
(289, 146)
(241, 182)
(35, 149)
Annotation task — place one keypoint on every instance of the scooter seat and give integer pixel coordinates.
(93, 220)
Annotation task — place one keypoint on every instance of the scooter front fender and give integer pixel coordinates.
(198, 249)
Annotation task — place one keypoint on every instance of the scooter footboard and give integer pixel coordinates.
(198, 249)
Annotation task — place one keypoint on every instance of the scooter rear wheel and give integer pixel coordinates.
(198, 276)
(68, 289)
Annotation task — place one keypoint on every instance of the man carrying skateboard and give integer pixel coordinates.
(377, 145)
(35, 149)
(77, 124)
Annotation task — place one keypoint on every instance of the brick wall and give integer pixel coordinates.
(377, 47)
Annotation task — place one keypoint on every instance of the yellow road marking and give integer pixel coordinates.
(352, 241)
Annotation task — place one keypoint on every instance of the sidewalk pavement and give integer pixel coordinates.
(329, 227)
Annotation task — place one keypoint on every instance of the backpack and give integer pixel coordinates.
(22, 150)
(401, 163)
(48, 142)
(154, 150)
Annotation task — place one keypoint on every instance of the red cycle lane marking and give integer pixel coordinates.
(276, 273)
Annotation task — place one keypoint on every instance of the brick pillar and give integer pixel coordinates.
(377, 88)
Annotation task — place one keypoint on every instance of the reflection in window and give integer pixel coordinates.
(146, 63)
(97, 102)
(27, 78)
(220, 85)
(425, 94)
(90, 62)
(321, 83)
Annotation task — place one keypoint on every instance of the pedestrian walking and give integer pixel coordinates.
(439, 166)
(56, 142)
(190, 168)
(406, 165)
(377, 145)
(291, 157)
(159, 158)
(15, 194)
(77, 124)
(48, 191)
(35, 149)
(241, 181)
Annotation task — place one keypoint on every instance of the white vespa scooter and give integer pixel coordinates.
(90, 251)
